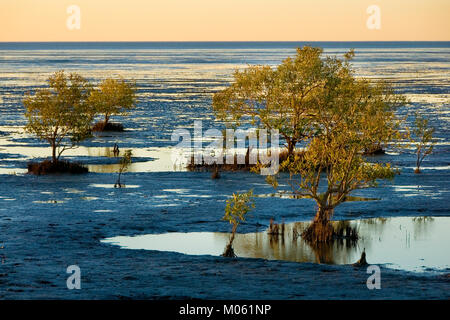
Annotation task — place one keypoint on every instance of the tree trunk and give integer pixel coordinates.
(233, 232)
(215, 174)
(323, 214)
(418, 162)
(291, 146)
(320, 230)
(106, 120)
(54, 158)
(229, 252)
(118, 184)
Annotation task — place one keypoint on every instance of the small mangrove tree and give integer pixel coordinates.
(236, 209)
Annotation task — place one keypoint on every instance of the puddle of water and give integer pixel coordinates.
(50, 201)
(109, 186)
(89, 198)
(72, 190)
(413, 244)
(163, 158)
(45, 152)
(178, 191)
(162, 163)
(12, 171)
(430, 168)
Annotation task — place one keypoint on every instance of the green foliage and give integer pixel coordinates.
(284, 98)
(124, 164)
(272, 181)
(60, 114)
(125, 161)
(237, 207)
(339, 160)
(113, 97)
(347, 116)
(425, 142)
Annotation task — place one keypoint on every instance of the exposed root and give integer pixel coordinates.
(215, 174)
(49, 167)
(319, 232)
(275, 229)
(229, 252)
(344, 231)
(235, 166)
(374, 151)
(110, 126)
(295, 235)
(362, 261)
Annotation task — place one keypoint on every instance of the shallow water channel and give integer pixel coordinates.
(408, 243)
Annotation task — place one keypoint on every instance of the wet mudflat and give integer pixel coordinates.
(50, 222)
(416, 244)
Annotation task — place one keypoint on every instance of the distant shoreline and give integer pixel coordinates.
(217, 44)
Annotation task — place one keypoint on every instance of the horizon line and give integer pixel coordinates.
(223, 41)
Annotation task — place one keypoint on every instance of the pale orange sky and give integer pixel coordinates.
(224, 20)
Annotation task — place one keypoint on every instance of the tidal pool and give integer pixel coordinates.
(416, 244)
(96, 159)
